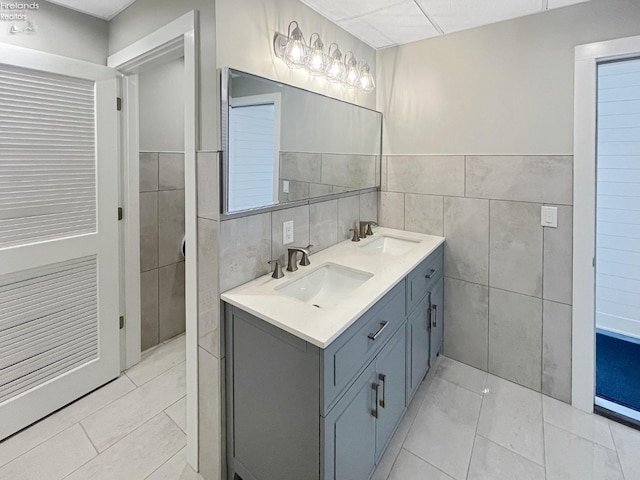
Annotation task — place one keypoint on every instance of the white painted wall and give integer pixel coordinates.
(505, 88)
(246, 29)
(61, 31)
(161, 107)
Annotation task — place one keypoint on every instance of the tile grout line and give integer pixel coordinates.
(475, 433)
(615, 445)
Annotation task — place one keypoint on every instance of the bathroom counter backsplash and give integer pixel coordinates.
(320, 326)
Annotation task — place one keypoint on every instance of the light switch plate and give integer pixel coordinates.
(549, 217)
(287, 232)
(285, 186)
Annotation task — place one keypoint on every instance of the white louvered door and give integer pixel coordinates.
(59, 334)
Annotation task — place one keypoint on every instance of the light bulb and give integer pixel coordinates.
(317, 61)
(295, 52)
(335, 68)
(366, 82)
(352, 75)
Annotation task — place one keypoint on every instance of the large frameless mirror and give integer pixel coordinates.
(283, 144)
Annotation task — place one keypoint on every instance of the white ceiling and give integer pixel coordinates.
(105, 9)
(384, 23)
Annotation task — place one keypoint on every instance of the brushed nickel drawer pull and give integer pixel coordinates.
(374, 336)
(430, 274)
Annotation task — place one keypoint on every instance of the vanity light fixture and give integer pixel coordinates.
(336, 68)
(366, 81)
(292, 48)
(351, 74)
(317, 62)
(333, 65)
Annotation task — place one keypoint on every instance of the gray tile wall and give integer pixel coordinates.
(248, 243)
(161, 232)
(210, 344)
(312, 175)
(508, 280)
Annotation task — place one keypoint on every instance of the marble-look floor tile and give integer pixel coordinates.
(444, 428)
(178, 413)
(627, 442)
(172, 468)
(410, 467)
(175, 468)
(54, 459)
(113, 422)
(569, 457)
(46, 428)
(158, 360)
(511, 416)
(586, 425)
(138, 454)
(462, 375)
(490, 461)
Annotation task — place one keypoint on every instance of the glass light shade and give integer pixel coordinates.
(335, 67)
(351, 75)
(295, 52)
(366, 81)
(317, 59)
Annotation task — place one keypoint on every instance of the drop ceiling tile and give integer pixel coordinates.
(362, 30)
(464, 14)
(105, 9)
(400, 23)
(338, 10)
(563, 3)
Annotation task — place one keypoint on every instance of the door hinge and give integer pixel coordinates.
(120, 213)
(121, 322)
(119, 104)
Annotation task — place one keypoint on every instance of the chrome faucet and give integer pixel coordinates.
(292, 254)
(365, 228)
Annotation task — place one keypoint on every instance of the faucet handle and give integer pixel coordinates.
(305, 256)
(369, 231)
(277, 269)
(356, 236)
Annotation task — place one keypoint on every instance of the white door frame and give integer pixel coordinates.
(587, 58)
(176, 39)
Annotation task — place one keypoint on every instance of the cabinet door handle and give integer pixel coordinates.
(374, 412)
(382, 377)
(430, 274)
(434, 316)
(374, 336)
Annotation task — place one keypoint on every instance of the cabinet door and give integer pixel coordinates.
(418, 327)
(390, 369)
(437, 318)
(350, 431)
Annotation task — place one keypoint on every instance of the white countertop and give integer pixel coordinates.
(322, 326)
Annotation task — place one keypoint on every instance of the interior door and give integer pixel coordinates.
(59, 324)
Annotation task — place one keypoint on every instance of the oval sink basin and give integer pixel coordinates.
(326, 285)
(390, 245)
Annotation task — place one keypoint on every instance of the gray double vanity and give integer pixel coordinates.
(323, 362)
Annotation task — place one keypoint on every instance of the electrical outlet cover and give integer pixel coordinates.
(287, 232)
(549, 217)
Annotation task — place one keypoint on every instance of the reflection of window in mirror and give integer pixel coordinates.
(254, 151)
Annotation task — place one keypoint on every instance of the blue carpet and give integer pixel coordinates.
(618, 371)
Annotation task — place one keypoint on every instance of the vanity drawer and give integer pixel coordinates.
(346, 356)
(423, 278)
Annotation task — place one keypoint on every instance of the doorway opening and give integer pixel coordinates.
(167, 52)
(617, 303)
